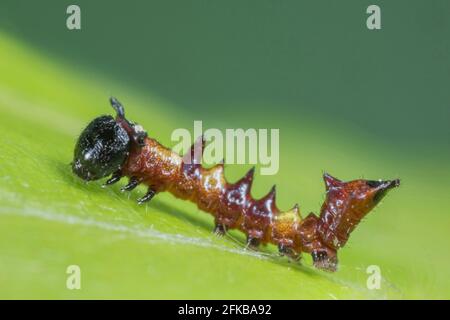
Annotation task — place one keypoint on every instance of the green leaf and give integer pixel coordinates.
(49, 219)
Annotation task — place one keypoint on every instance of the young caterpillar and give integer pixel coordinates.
(122, 148)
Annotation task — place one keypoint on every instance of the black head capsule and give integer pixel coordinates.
(101, 149)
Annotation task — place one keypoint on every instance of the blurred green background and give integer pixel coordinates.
(347, 100)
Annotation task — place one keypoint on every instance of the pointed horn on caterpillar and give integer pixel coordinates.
(118, 107)
(136, 131)
(296, 210)
(194, 155)
(330, 181)
(245, 183)
(269, 200)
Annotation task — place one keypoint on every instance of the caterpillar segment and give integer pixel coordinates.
(146, 161)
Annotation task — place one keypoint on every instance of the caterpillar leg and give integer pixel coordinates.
(220, 229)
(133, 183)
(289, 252)
(147, 197)
(253, 243)
(116, 176)
(325, 260)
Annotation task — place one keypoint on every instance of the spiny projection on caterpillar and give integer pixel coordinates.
(119, 147)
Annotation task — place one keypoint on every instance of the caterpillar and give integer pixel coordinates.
(117, 147)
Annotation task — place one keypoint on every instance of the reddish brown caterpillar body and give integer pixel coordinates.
(122, 148)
